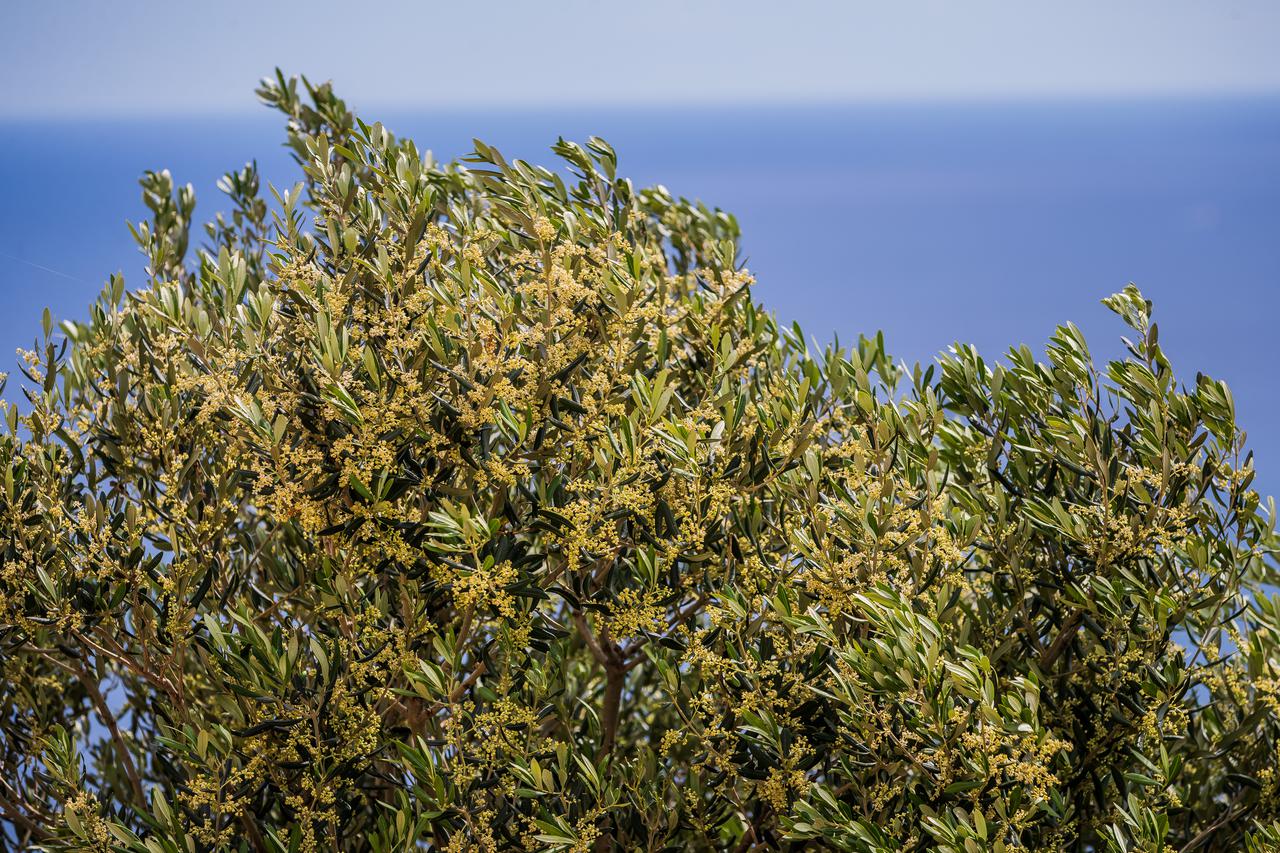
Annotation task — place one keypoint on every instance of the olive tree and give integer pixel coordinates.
(478, 506)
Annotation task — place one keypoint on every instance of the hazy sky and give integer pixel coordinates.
(78, 58)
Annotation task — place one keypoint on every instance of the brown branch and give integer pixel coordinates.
(121, 657)
(17, 816)
(122, 749)
(614, 678)
(681, 617)
(1207, 833)
(615, 674)
(456, 693)
(251, 830)
(1060, 642)
(584, 629)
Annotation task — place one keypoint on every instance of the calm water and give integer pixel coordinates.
(982, 223)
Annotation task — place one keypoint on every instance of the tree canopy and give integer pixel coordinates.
(478, 506)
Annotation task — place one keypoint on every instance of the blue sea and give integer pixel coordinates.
(987, 223)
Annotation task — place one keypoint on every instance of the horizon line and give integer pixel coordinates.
(253, 107)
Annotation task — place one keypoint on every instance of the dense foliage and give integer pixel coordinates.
(470, 507)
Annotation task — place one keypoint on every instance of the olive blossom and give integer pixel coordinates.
(478, 506)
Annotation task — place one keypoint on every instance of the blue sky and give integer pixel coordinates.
(77, 58)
